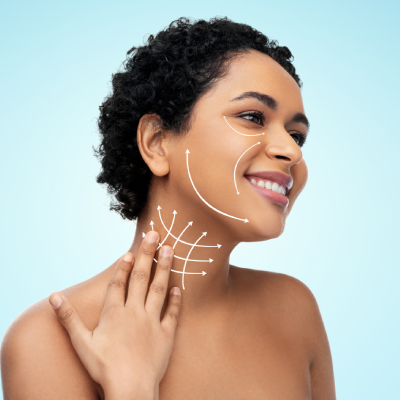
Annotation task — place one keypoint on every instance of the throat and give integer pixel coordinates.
(200, 266)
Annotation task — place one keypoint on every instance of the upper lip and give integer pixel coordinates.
(278, 177)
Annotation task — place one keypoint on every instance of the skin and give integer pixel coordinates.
(241, 333)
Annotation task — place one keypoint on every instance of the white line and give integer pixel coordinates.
(168, 231)
(184, 267)
(210, 260)
(237, 162)
(191, 273)
(258, 134)
(189, 224)
(209, 205)
(182, 241)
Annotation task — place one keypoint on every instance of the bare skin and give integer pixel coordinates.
(241, 333)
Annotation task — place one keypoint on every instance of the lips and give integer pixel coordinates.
(275, 176)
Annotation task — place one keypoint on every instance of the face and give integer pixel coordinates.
(241, 165)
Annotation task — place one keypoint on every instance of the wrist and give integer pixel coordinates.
(133, 391)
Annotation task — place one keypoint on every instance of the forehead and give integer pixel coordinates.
(255, 71)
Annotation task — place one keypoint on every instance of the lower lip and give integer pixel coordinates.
(271, 195)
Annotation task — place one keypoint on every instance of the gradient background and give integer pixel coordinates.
(341, 238)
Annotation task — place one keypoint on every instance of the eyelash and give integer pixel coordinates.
(258, 114)
(301, 136)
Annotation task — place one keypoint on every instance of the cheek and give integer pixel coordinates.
(299, 174)
(214, 152)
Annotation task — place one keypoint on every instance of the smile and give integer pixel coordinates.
(274, 186)
(270, 189)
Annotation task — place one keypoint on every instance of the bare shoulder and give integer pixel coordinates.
(290, 300)
(297, 312)
(285, 290)
(38, 360)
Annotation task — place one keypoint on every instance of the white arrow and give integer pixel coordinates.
(179, 240)
(258, 134)
(210, 260)
(152, 225)
(237, 162)
(209, 205)
(191, 273)
(187, 258)
(168, 231)
(189, 224)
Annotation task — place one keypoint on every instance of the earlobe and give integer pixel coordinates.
(151, 144)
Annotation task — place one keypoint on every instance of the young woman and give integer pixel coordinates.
(201, 143)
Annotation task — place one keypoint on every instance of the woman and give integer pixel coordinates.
(201, 143)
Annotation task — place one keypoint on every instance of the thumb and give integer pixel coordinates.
(69, 318)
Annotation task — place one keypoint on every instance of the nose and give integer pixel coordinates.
(281, 146)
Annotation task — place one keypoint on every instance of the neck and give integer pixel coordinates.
(193, 236)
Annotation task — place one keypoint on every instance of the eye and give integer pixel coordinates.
(299, 138)
(256, 117)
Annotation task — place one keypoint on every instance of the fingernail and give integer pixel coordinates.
(55, 300)
(152, 237)
(176, 291)
(165, 251)
(128, 257)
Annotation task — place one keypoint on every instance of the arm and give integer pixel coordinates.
(321, 368)
(128, 352)
(307, 317)
(38, 361)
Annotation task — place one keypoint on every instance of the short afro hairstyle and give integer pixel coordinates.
(166, 76)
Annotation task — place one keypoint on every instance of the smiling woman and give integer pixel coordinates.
(201, 143)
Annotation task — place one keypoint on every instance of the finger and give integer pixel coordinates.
(69, 318)
(139, 281)
(171, 315)
(116, 289)
(158, 287)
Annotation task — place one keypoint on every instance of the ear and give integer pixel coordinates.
(151, 142)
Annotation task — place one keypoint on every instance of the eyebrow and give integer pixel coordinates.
(271, 103)
(302, 119)
(264, 98)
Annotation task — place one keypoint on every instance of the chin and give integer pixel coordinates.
(263, 229)
(272, 231)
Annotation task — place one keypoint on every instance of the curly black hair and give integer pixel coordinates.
(166, 76)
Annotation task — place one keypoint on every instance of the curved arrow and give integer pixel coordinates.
(181, 272)
(187, 258)
(209, 205)
(182, 241)
(168, 231)
(177, 240)
(237, 162)
(243, 134)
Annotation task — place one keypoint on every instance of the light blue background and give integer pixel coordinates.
(342, 236)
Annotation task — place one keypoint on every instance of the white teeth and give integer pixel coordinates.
(270, 185)
(275, 187)
(260, 183)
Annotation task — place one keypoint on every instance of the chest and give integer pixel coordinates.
(248, 362)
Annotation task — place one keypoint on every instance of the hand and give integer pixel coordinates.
(128, 352)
